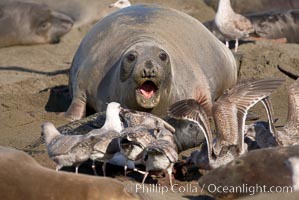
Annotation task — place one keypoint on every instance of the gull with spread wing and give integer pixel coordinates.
(229, 114)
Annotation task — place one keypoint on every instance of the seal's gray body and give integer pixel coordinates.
(23, 178)
(277, 24)
(263, 168)
(201, 66)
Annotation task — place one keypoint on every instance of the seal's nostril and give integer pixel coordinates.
(153, 72)
(144, 74)
(148, 73)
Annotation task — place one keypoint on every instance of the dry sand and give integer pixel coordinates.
(33, 86)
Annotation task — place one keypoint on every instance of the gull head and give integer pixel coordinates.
(112, 117)
(120, 4)
(49, 132)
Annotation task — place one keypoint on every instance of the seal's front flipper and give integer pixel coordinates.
(77, 110)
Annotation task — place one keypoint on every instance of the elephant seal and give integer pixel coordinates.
(273, 196)
(23, 178)
(277, 24)
(254, 6)
(25, 23)
(147, 57)
(269, 25)
(81, 12)
(258, 171)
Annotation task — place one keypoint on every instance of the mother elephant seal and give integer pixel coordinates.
(147, 57)
(23, 178)
(26, 23)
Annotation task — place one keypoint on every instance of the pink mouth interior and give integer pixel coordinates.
(147, 89)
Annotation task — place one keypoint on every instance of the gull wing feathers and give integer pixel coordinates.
(192, 110)
(293, 107)
(136, 118)
(232, 108)
(243, 24)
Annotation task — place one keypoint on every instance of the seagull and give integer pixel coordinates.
(229, 114)
(106, 136)
(134, 118)
(232, 25)
(67, 150)
(135, 123)
(159, 151)
(129, 118)
(160, 155)
(105, 148)
(289, 134)
(113, 121)
(120, 4)
(133, 141)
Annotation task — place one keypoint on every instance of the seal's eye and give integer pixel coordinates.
(163, 56)
(131, 57)
(44, 25)
(190, 126)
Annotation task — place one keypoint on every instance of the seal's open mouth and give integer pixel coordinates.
(148, 89)
(148, 95)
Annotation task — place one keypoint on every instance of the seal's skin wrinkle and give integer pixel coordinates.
(146, 57)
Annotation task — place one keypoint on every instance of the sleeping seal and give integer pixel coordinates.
(269, 25)
(24, 23)
(147, 57)
(277, 24)
(81, 12)
(23, 178)
(254, 6)
(262, 170)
